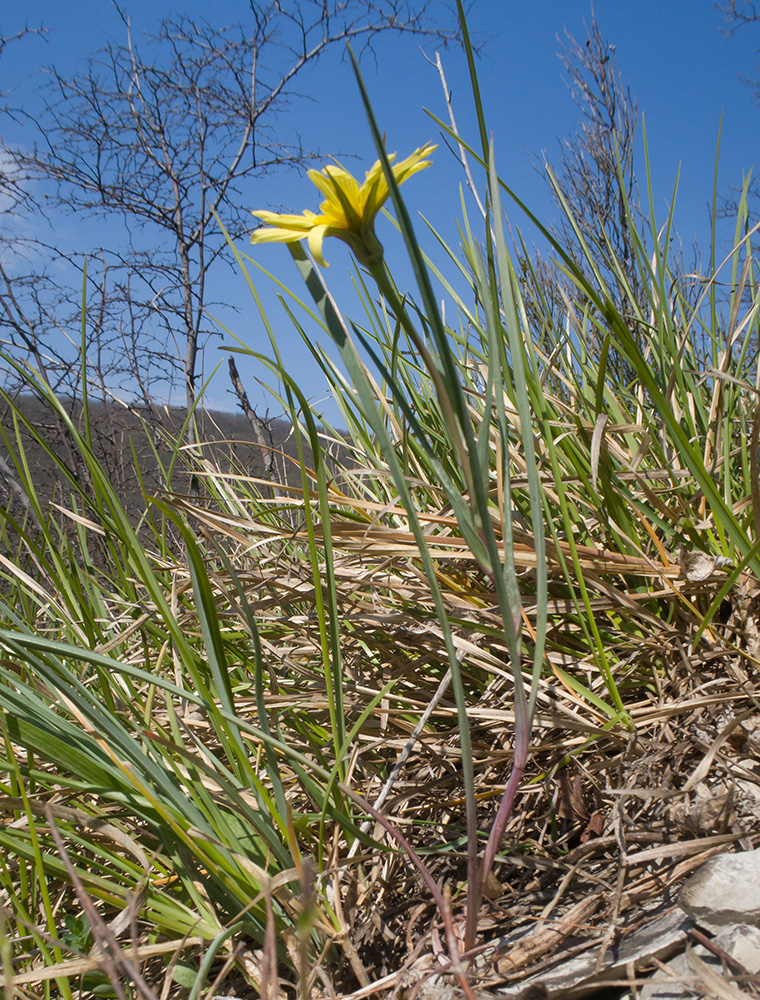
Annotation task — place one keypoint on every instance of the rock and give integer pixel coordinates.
(741, 942)
(579, 977)
(663, 989)
(725, 890)
(722, 898)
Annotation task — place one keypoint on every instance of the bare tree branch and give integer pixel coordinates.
(596, 171)
(163, 133)
(737, 14)
(596, 178)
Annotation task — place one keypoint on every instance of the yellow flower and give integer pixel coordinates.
(348, 211)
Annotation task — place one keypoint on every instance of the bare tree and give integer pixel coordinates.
(167, 133)
(595, 177)
(596, 170)
(737, 13)
(12, 191)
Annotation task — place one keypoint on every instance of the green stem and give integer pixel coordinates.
(390, 293)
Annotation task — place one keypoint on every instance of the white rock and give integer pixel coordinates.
(725, 890)
(742, 942)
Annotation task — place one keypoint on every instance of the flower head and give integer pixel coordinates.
(348, 211)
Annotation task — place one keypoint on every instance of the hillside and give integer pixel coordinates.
(140, 449)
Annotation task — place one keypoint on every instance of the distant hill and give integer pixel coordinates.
(133, 445)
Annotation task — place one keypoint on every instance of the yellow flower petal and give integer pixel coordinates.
(342, 205)
(376, 170)
(412, 164)
(333, 177)
(277, 235)
(316, 236)
(348, 210)
(304, 221)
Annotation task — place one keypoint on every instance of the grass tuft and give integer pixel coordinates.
(291, 736)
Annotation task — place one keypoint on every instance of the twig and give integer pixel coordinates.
(715, 984)
(404, 755)
(536, 944)
(114, 959)
(696, 935)
(253, 419)
(614, 912)
(451, 941)
(455, 130)
(270, 984)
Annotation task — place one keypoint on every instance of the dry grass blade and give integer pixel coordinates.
(716, 984)
(120, 967)
(370, 540)
(74, 968)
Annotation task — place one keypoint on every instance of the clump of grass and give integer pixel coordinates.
(236, 727)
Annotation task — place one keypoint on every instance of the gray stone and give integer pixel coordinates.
(742, 942)
(576, 978)
(725, 890)
(723, 898)
(671, 983)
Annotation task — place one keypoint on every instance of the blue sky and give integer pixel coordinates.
(684, 72)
